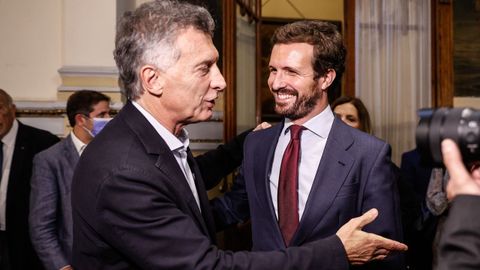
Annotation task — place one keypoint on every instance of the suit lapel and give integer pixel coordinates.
(209, 224)
(331, 174)
(264, 152)
(166, 162)
(20, 153)
(70, 152)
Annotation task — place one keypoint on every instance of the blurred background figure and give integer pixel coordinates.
(50, 202)
(19, 143)
(353, 112)
(420, 223)
(412, 182)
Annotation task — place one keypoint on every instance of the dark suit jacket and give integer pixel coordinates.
(50, 203)
(133, 209)
(419, 224)
(29, 142)
(354, 175)
(460, 241)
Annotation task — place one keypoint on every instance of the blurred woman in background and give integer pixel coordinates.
(353, 112)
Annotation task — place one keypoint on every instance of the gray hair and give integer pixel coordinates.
(147, 36)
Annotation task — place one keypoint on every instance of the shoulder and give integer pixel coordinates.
(345, 134)
(39, 135)
(54, 150)
(267, 134)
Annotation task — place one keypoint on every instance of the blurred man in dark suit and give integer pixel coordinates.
(19, 144)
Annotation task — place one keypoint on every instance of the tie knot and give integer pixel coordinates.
(182, 152)
(295, 132)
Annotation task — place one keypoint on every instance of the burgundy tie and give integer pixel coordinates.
(287, 186)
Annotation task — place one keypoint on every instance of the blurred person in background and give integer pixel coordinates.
(19, 144)
(50, 201)
(353, 112)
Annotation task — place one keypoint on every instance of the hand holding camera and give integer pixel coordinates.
(461, 181)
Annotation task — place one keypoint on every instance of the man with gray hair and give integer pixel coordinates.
(138, 196)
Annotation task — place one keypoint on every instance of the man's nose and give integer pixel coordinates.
(218, 81)
(277, 81)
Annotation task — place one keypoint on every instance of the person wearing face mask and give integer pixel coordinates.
(50, 218)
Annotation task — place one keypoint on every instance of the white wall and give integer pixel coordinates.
(89, 32)
(40, 37)
(30, 32)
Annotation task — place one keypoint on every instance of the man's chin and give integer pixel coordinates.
(283, 110)
(201, 118)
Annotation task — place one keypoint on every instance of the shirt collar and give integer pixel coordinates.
(172, 141)
(79, 145)
(9, 138)
(319, 124)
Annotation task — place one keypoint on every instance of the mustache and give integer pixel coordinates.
(285, 90)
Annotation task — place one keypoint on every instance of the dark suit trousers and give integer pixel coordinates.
(4, 263)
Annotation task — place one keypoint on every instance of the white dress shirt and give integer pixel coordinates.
(178, 146)
(79, 145)
(8, 147)
(313, 140)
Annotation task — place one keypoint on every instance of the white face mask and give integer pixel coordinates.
(98, 125)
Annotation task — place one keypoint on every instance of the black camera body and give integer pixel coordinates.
(462, 125)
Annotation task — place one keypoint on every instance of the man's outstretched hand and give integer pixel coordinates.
(362, 247)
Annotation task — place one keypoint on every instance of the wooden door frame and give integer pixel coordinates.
(252, 9)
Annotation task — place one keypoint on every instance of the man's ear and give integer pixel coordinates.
(80, 119)
(152, 80)
(327, 79)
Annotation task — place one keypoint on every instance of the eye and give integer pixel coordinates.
(204, 69)
(272, 70)
(352, 119)
(290, 72)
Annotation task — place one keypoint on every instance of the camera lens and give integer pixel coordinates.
(462, 125)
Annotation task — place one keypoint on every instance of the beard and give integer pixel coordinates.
(302, 106)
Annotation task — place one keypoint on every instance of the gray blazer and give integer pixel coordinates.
(50, 218)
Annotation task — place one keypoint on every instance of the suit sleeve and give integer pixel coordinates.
(232, 208)
(381, 192)
(218, 163)
(44, 213)
(459, 247)
(145, 222)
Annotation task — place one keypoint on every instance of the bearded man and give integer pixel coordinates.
(338, 172)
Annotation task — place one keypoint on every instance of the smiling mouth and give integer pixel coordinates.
(282, 97)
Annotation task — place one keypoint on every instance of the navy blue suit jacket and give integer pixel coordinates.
(133, 209)
(355, 174)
